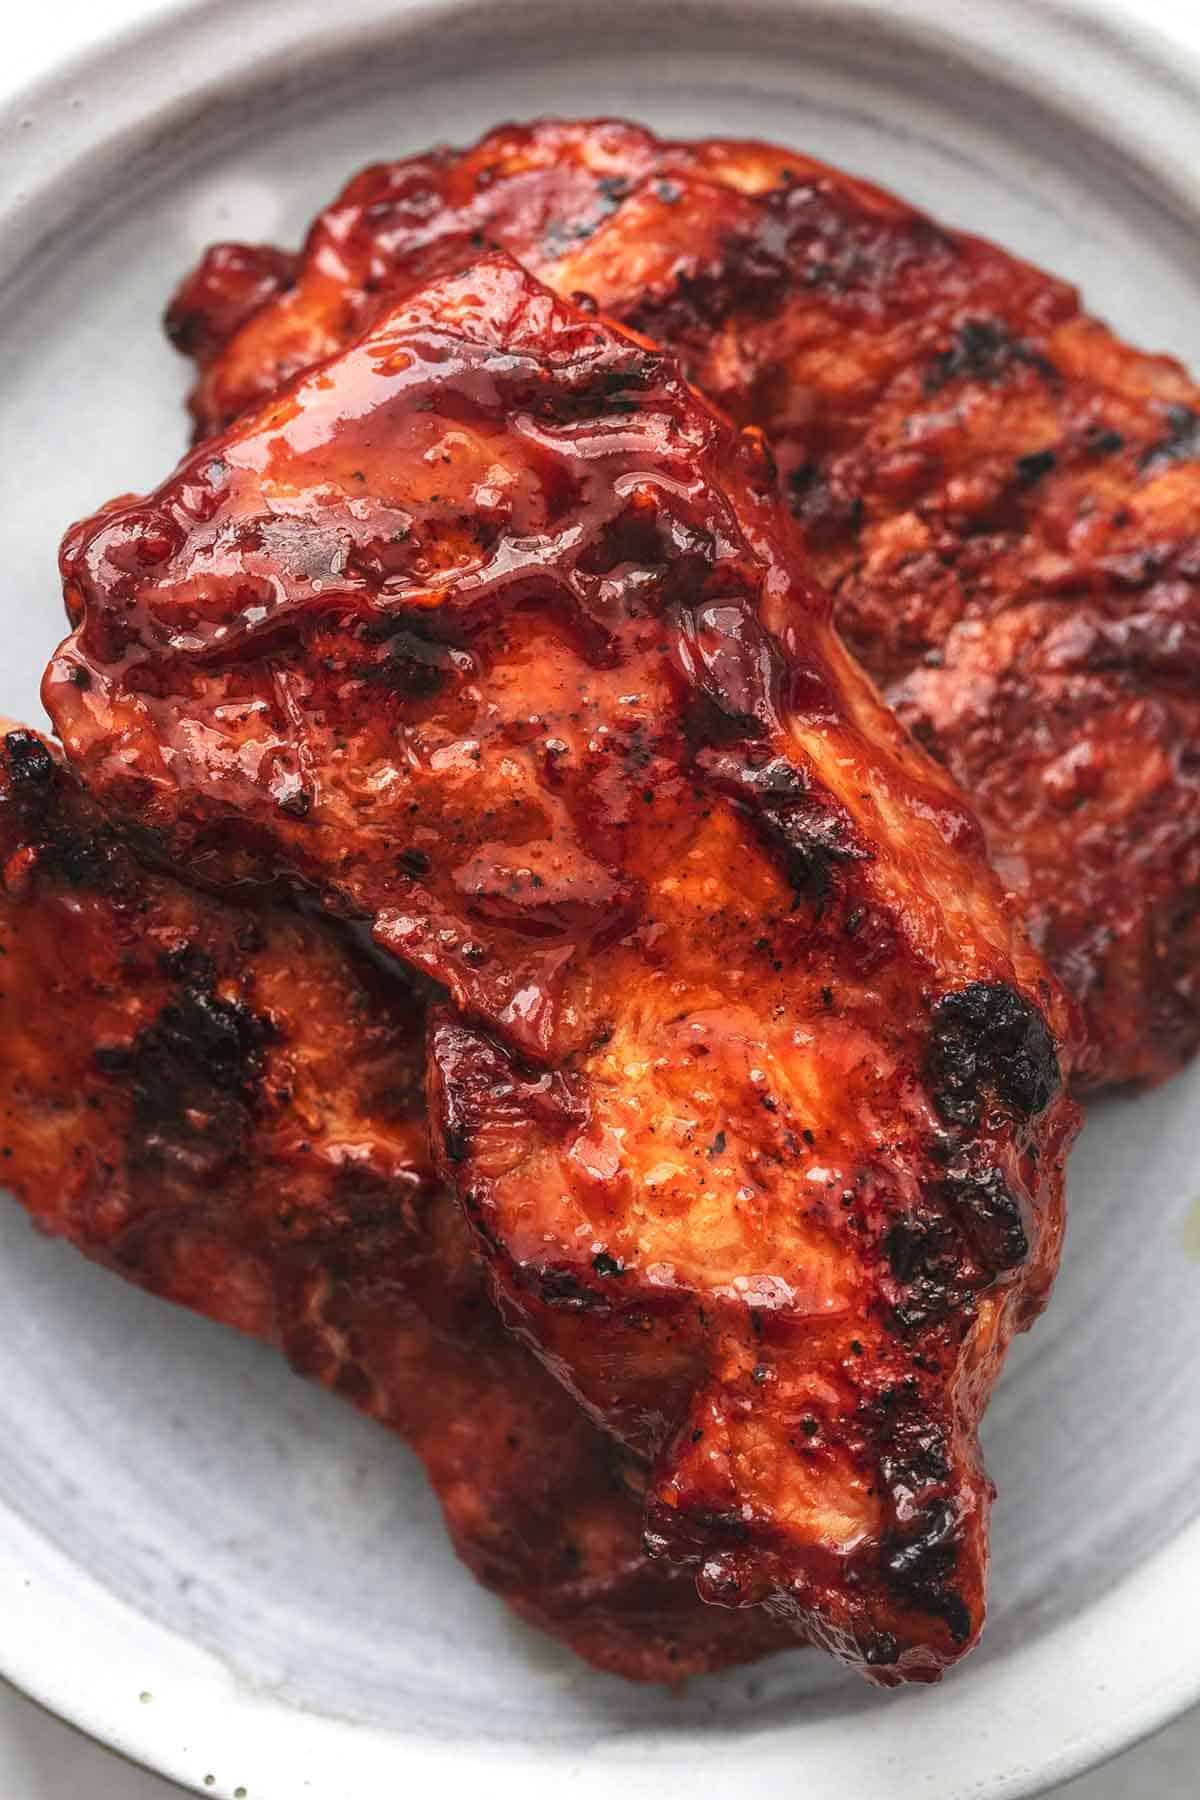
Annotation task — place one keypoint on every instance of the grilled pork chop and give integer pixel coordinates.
(495, 637)
(223, 1102)
(1001, 495)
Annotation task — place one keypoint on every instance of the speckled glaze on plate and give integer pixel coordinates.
(235, 1579)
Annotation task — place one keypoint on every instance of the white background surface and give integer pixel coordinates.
(41, 1759)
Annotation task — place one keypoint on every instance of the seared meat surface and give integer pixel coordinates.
(496, 638)
(1001, 495)
(224, 1104)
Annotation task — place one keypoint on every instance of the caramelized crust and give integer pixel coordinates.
(496, 638)
(223, 1104)
(999, 493)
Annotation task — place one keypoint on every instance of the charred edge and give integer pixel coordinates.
(201, 1053)
(814, 835)
(231, 282)
(920, 1561)
(987, 1035)
(810, 834)
(81, 857)
(187, 329)
(1179, 443)
(618, 385)
(726, 1528)
(983, 350)
(920, 1567)
(31, 768)
(562, 1289)
(802, 235)
(989, 1214)
(915, 1454)
(923, 1253)
(748, 275)
(880, 1650)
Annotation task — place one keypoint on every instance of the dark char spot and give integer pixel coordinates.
(988, 1036)
(983, 350)
(1030, 469)
(988, 1213)
(920, 1565)
(923, 1252)
(456, 1142)
(192, 1071)
(1179, 443)
(793, 816)
(296, 805)
(81, 855)
(727, 1527)
(1102, 440)
(30, 764)
(562, 1287)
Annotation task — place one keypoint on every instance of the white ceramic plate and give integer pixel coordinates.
(234, 1578)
